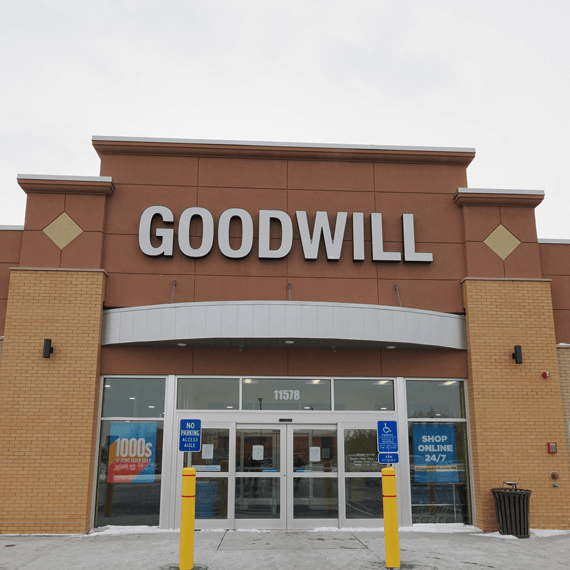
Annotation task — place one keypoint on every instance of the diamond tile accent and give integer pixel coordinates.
(502, 242)
(62, 231)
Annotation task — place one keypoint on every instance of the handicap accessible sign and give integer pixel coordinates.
(388, 458)
(435, 453)
(388, 437)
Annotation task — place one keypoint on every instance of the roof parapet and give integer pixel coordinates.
(280, 150)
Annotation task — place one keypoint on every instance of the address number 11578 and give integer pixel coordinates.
(287, 394)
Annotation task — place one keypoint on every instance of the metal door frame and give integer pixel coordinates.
(269, 524)
(299, 523)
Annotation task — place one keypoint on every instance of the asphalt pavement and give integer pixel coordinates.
(119, 549)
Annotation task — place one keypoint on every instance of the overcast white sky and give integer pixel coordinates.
(493, 75)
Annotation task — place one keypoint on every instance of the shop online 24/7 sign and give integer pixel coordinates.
(310, 239)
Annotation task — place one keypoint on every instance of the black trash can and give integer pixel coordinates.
(511, 505)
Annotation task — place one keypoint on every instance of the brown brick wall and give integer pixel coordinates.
(49, 407)
(1, 346)
(514, 411)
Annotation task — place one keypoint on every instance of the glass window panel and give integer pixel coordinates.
(364, 498)
(422, 514)
(257, 498)
(257, 450)
(208, 394)
(364, 395)
(215, 452)
(440, 399)
(439, 472)
(315, 498)
(133, 398)
(314, 450)
(212, 498)
(361, 451)
(129, 473)
(286, 394)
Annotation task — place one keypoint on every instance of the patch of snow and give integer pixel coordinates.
(534, 533)
(211, 530)
(541, 533)
(347, 529)
(497, 535)
(443, 528)
(107, 530)
(440, 528)
(249, 530)
(43, 534)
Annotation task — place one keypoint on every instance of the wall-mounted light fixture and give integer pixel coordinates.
(517, 354)
(48, 348)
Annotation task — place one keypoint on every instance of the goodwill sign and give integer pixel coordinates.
(435, 453)
(161, 242)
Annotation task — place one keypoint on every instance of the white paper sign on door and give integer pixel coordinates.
(314, 453)
(207, 451)
(257, 453)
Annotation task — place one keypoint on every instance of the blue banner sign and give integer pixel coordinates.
(388, 458)
(387, 437)
(190, 435)
(132, 452)
(435, 453)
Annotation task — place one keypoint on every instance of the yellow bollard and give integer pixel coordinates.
(188, 518)
(390, 501)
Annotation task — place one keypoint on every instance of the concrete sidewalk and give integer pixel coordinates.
(279, 550)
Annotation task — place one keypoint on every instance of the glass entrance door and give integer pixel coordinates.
(312, 476)
(260, 473)
(286, 476)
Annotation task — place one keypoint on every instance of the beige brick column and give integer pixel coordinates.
(514, 411)
(49, 407)
(564, 364)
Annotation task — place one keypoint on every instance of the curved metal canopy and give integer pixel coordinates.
(292, 324)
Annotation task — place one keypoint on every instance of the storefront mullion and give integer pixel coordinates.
(403, 483)
(168, 497)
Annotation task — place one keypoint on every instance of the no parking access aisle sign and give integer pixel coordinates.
(190, 435)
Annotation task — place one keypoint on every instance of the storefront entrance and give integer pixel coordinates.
(307, 460)
(287, 476)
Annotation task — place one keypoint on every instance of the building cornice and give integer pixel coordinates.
(498, 197)
(48, 184)
(279, 150)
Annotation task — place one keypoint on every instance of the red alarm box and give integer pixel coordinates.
(552, 447)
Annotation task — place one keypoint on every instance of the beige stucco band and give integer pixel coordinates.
(272, 323)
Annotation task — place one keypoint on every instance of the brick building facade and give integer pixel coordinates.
(294, 298)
